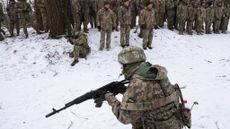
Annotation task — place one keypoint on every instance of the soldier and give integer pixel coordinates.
(161, 13)
(200, 16)
(41, 10)
(24, 10)
(76, 10)
(150, 101)
(225, 18)
(182, 11)
(191, 16)
(124, 16)
(209, 17)
(147, 22)
(171, 13)
(85, 14)
(141, 6)
(106, 22)
(115, 4)
(81, 47)
(134, 12)
(1, 20)
(218, 11)
(12, 14)
(100, 4)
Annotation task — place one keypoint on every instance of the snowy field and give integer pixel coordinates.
(35, 76)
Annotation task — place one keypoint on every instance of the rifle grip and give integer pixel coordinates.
(99, 104)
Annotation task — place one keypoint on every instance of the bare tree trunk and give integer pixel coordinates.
(55, 17)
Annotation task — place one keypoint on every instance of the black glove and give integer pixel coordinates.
(113, 28)
(99, 98)
(99, 28)
(143, 26)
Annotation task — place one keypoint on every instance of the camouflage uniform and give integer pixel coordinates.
(200, 16)
(191, 18)
(106, 21)
(171, 13)
(134, 12)
(209, 19)
(12, 14)
(124, 16)
(1, 20)
(41, 9)
(85, 14)
(150, 101)
(147, 22)
(161, 13)
(182, 12)
(225, 18)
(141, 6)
(92, 13)
(218, 11)
(100, 4)
(76, 10)
(81, 48)
(115, 4)
(23, 11)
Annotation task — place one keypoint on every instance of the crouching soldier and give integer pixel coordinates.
(81, 47)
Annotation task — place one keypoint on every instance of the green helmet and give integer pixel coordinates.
(131, 55)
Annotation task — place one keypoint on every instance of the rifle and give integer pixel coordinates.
(115, 87)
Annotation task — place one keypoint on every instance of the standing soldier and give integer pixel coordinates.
(1, 20)
(115, 4)
(150, 101)
(141, 6)
(225, 18)
(182, 11)
(200, 16)
(147, 22)
(12, 14)
(81, 47)
(191, 16)
(124, 16)
(218, 11)
(85, 14)
(106, 22)
(76, 10)
(171, 13)
(24, 10)
(134, 13)
(41, 9)
(161, 13)
(209, 17)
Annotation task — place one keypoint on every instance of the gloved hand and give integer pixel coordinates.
(113, 28)
(99, 98)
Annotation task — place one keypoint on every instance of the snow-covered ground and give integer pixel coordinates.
(35, 76)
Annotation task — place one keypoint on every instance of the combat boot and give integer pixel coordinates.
(74, 62)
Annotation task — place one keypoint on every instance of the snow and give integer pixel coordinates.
(35, 76)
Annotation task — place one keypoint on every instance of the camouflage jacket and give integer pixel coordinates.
(124, 16)
(76, 7)
(147, 17)
(191, 13)
(40, 3)
(106, 19)
(100, 4)
(200, 14)
(209, 14)
(182, 11)
(226, 11)
(171, 4)
(144, 95)
(23, 9)
(162, 6)
(12, 11)
(218, 11)
(80, 40)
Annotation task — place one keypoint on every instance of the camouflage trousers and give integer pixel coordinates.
(216, 26)
(224, 24)
(133, 19)
(24, 23)
(208, 24)
(189, 27)
(199, 25)
(147, 37)
(85, 20)
(171, 18)
(80, 52)
(161, 19)
(14, 24)
(125, 32)
(181, 25)
(77, 21)
(43, 13)
(105, 34)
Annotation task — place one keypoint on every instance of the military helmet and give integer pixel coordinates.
(131, 55)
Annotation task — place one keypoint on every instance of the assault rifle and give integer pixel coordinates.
(115, 87)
